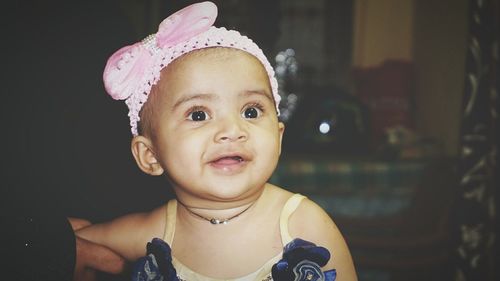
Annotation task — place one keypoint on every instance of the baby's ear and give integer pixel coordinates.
(144, 155)
(281, 130)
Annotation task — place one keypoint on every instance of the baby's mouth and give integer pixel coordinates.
(229, 160)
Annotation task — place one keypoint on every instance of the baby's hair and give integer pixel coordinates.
(148, 110)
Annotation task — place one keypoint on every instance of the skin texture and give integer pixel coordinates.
(91, 257)
(214, 133)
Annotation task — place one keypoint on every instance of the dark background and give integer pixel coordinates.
(65, 141)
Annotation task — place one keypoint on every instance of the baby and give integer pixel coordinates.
(203, 107)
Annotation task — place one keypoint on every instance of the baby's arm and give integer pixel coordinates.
(129, 234)
(310, 222)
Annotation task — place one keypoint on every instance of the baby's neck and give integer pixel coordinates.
(210, 216)
(201, 210)
(247, 243)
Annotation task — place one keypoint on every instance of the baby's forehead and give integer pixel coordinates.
(216, 53)
(176, 80)
(191, 62)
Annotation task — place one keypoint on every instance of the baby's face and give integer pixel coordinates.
(216, 131)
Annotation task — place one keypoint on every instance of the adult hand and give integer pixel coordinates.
(91, 256)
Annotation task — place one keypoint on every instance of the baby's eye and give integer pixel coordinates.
(198, 115)
(252, 112)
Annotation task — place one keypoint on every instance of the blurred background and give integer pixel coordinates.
(390, 109)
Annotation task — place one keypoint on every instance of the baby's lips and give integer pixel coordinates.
(228, 160)
(240, 156)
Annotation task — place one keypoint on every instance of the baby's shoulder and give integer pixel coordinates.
(310, 222)
(143, 227)
(154, 221)
(306, 218)
(310, 219)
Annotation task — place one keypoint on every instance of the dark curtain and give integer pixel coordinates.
(476, 224)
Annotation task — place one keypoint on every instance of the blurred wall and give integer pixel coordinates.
(383, 29)
(66, 142)
(431, 34)
(439, 51)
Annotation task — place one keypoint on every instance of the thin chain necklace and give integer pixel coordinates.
(216, 220)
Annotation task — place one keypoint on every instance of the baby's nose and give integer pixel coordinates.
(231, 129)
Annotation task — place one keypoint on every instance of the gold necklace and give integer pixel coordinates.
(216, 220)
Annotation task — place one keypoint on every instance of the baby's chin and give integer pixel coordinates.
(225, 192)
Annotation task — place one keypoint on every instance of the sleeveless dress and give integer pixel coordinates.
(297, 251)
(263, 273)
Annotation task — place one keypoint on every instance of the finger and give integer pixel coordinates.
(78, 223)
(85, 275)
(99, 257)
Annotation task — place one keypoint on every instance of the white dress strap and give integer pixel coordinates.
(171, 217)
(290, 206)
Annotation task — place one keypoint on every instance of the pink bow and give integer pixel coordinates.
(126, 68)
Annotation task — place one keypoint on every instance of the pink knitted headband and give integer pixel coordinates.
(131, 71)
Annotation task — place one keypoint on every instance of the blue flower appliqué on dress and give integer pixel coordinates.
(302, 261)
(156, 265)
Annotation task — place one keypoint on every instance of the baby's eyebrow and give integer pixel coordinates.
(258, 92)
(194, 97)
